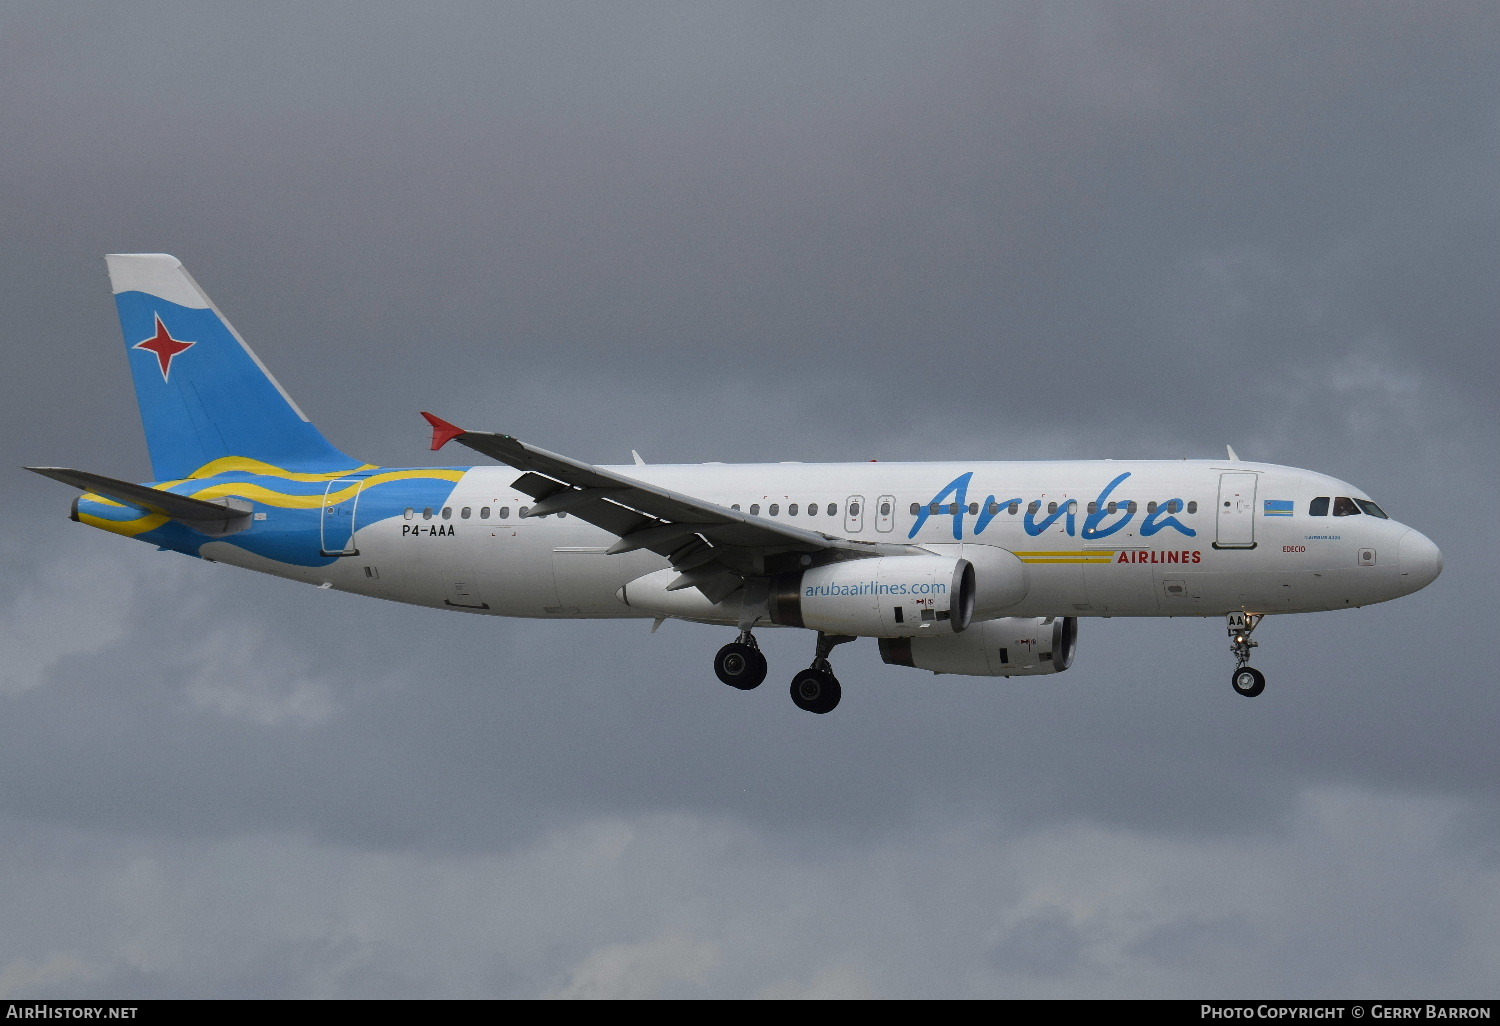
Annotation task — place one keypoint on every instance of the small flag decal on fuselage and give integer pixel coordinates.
(1278, 507)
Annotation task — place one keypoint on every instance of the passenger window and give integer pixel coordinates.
(833, 509)
(885, 509)
(409, 513)
(1343, 506)
(812, 509)
(791, 510)
(854, 509)
(755, 509)
(973, 508)
(953, 508)
(1151, 506)
(774, 508)
(484, 512)
(1093, 507)
(916, 507)
(504, 512)
(992, 508)
(1193, 506)
(427, 513)
(523, 510)
(1372, 509)
(735, 506)
(1015, 508)
(464, 513)
(1051, 508)
(1035, 507)
(935, 508)
(1131, 507)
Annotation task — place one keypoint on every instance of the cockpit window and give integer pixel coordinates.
(1318, 507)
(1372, 509)
(1343, 506)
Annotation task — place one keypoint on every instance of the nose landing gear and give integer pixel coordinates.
(1246, 679)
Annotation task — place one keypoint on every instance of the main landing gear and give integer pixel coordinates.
(740, 664)
(1246, 679)
(816, 689)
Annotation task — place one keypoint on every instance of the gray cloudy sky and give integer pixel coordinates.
(754, 232)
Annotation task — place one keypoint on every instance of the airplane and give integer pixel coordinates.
(957, 567)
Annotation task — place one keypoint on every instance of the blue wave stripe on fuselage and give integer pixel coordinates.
(293, 534)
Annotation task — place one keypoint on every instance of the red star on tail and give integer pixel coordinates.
(164, 346)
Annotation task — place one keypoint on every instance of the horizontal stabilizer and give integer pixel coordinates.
(209, 517)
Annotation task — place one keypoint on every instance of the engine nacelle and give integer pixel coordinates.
(999, 574)
(1009, 647)
(884, 596)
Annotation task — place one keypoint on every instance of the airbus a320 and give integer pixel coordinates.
(976, 568)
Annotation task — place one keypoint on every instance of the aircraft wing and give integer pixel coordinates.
(715, 548)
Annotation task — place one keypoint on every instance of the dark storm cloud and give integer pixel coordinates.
(1045, 943)
(755, 233)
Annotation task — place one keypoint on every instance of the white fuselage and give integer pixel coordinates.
(1170, 538)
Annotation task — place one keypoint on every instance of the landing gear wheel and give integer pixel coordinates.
(1248, 681)
(816, 691)
(740, 666)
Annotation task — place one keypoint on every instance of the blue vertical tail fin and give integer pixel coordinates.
(203, 393)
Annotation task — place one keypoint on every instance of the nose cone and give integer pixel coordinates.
(1420, 561)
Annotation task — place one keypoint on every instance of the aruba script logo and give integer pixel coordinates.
(953, 501)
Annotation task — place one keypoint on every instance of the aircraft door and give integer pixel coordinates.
(854, 514)
(340, 506)
(885, 513)
(1235, 524)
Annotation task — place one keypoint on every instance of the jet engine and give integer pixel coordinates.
(1008, 647)
(1000, 576)
(884, 596)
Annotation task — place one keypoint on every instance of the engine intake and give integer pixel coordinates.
(1007, 647)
